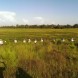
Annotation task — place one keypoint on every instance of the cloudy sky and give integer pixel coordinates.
(14, 12)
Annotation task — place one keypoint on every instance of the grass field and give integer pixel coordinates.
(41, 60)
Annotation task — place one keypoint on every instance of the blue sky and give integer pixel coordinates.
(38, 12)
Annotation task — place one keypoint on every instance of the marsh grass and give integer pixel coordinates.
(41, 60)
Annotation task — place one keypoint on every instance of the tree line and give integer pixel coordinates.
(42, 26)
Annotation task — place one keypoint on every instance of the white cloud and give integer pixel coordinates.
(49, 22)
(25, 21)
(53, 22)
(10, 18)
(6, 16)
(39, 20)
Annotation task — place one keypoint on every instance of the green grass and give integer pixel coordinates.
(41, 60)
(21, 33)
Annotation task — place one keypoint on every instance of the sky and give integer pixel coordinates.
(39, 12)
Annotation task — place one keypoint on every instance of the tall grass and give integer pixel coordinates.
(41, 60)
